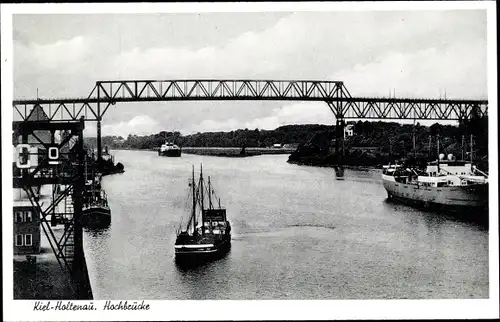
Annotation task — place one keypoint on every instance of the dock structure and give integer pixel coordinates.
(48, 174)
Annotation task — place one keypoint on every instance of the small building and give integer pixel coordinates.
(372, 149)
(26, 228)
(118, 141)
(348, 130)
(291, 146)
(277, 146)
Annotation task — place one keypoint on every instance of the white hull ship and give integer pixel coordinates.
(447, 184)
(208, 239)
(169, 149)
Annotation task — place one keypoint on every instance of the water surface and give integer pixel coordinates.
(298, 233)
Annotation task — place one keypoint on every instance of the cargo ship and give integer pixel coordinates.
(208, 239)
(169, 149)
(447, 184)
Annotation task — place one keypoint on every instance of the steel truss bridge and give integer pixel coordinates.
(333, 93)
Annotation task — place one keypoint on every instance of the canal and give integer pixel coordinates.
(298, 233)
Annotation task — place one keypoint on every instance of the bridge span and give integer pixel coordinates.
(334, 93)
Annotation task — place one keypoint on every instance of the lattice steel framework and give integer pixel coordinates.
(334, 93)
(65, 174)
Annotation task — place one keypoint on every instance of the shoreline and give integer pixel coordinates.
(232, 152)
(225, 151)
(345, 166)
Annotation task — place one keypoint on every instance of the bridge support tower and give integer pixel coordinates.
(60, 165)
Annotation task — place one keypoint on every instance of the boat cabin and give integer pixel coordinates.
(391, 169)
(169, 145)
(427, 181)
(450, 167)
(215, 220)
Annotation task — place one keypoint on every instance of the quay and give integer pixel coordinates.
(235, 152)
(37, 272)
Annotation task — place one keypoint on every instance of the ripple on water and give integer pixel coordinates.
(298, 233)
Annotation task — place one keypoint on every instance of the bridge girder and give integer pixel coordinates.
(334, 93)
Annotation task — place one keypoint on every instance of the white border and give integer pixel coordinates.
(253, 310)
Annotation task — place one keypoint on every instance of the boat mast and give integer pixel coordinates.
(93, 179)
(438, 154)
(430, 146)
(193, 213)
(471, 149)
(209, 194)
(463, 139)
(414, 155)
(202, 197)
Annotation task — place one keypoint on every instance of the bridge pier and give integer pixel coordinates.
(339, 140)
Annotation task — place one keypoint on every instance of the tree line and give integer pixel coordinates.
(391, 139)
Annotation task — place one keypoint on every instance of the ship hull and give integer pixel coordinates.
(456, 198)
(170, 153)
(196, 254)
(96, 217)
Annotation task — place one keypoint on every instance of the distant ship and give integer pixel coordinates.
(448, 184)
(169, 149)
(208, 239)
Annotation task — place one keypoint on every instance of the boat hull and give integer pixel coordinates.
(458, 198)
(170, 153)
(96, 217)
(195, 254)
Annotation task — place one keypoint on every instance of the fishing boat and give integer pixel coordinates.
(208, 238)
(169, 149)
(96, 212)
(95, 208)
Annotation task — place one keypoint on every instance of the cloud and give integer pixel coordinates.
(425, 73)
(249, 54)
(297, 113)
(63, 56)
(419, 54)
(139, 125)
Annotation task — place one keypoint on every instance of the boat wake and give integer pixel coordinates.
(312, 226)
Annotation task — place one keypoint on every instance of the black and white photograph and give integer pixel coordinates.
(228, 161)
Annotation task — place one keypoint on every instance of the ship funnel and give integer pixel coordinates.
(441, 156)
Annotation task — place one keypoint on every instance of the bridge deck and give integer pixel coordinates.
(334, 93)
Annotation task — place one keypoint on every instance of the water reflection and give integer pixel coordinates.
(97, 232)
(198, 263)
(478, 218)
(339, 173)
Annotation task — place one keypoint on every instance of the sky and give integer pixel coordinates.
(421, 54)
